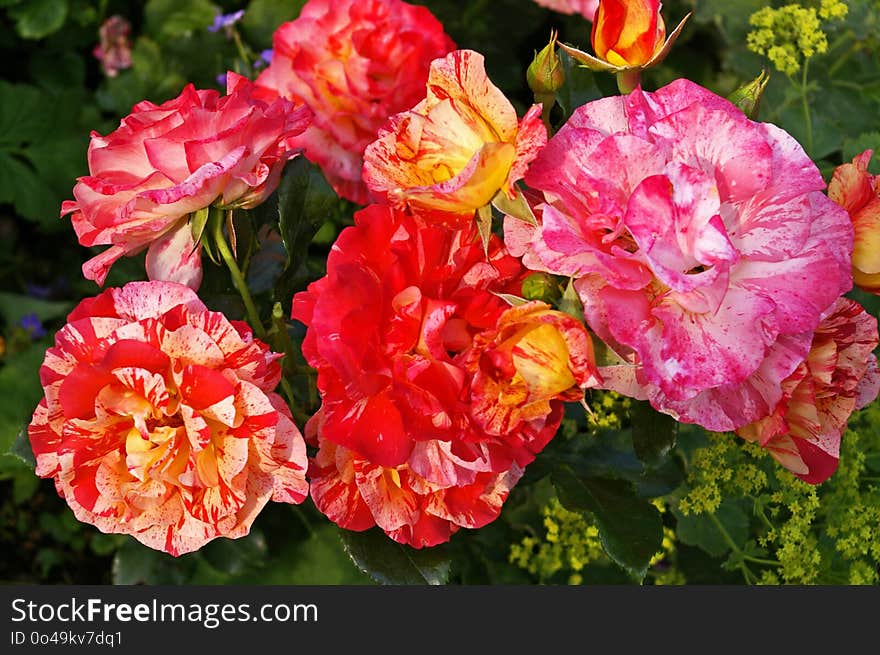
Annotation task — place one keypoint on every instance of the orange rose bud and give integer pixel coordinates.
(858, 192)
(628, 33)
(628, 37)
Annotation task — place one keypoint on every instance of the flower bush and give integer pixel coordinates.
(605, 315)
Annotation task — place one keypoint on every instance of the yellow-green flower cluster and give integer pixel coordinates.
(833, 10)
(789, 35)
(795, 541)
(608, 408)
(852, 506)
(570, 543)
(826, 534)
(711, 471)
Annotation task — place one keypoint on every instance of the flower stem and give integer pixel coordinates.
(238, 279)
(808, 123)
(628, 80)
(747, 573)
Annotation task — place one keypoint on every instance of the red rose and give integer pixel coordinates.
(159, 420)
(435, 393)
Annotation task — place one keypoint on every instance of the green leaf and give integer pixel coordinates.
(630, 528)
(20, 390)
(21, 114)
(701, 530)
(263, 17)
(135, 563)
(14, 306)
(570, 303)
(580, 85)
(856, 146)
(167, 20)
(21, 448)
(391, 563)
(305, 202)
(319, 559)
(36, 19)
(234, 556)
(653, 433)
(518, 207)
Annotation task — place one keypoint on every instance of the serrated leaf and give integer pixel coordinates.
(701, 530)
(305, 202)
(865, 141)
(630, 528)
(37, 19)
(21, 113)
(319, 559)
(653, 433)
(391, 563)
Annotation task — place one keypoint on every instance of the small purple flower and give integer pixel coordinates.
(32, 325)
(221, 79)
(222, 21)
(264, 59)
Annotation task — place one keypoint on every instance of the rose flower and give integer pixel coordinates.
(703, 248)
(159, 420)
(436, 393)
(457, 148)
(354, 63)
(839, 376)
(166, 161)
(858, 192)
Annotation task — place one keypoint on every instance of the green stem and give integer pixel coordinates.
(243, 51)
(628, 80)
(747, 573)
(725, 534)
(288, 391)
(302, 518)
(808, 123)
(238, 280)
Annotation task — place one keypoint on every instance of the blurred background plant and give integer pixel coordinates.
(661, 505)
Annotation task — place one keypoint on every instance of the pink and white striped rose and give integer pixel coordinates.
(703, 248)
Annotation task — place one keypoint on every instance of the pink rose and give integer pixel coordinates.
(159, 419)
(166, 161)
(703, 248)
(354, 63)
